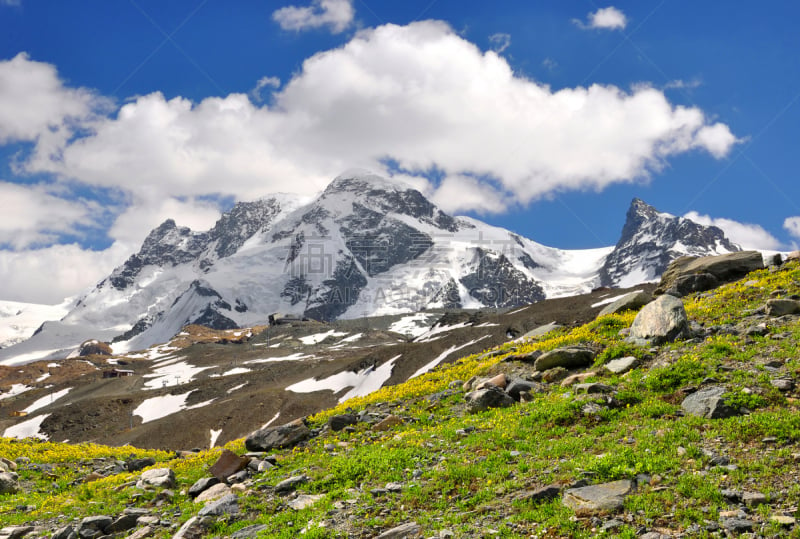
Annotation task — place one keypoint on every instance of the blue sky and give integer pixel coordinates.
(543, 117)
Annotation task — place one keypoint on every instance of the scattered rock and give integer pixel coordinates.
(737, 525)
(338, 422)
(67, 532)
(782, 307)
(191, 529)
(546, 493)
(602, 498)
(752, 499)
(569, 358)
(576, 378)
(621, 365)
(708, 402)
(517, 386)
(628, 302)
(248, 532)
(500, 380)
(278, 437)
(157, 477)
(660, 321)
(141, 533)
(228, 464)
(783, 520)
(782, 384)
(304, 500)
(407, 530)
(9, 483)
(15, 532)
(201, 485)
(387, 423)
(289, 485)
(98, 523)
(215, 492)
(491, 397)
(135, 465)
(593, 388)
(122, 523)
(227, 505)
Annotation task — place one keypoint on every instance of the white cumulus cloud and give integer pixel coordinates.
(419, 96)
(748, 236)
(792, 226)
(35, 103)
(609, 18)
(337, 15)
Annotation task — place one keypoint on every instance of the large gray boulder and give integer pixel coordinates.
(781, 307)
(278, 437)
(628, 302)
(660, 321)
(227, 505)
(157, 477)
(708, 402)
(724, 268)
(569, 357)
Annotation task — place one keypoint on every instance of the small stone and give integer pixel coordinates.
(8, 483)
(569, 358)
(338, 422)
(141, 533)
(191, 529)
(709, 403)
(248, 532)
(290, 484)
(157, 477)
(621, 365)
(15, 532)
(122, 523)
(783, 520)
(394, 487)
(409, 529)
(227, 505)
(490, 397)
(737, 525)
(304, 500)
(546, 493)
(67, 532)
(782, 384)
(387, 423)
(228, 464)
(593, 388)
(279, 437)
(606, 497)
(576, 378)
(782, 307)
(214, 492)
(752, 499)
(135, 465)
(202, 485)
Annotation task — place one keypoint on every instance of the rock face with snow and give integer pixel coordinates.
(651, 240)
(365, 246)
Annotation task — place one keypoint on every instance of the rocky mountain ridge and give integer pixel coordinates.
(364, 247)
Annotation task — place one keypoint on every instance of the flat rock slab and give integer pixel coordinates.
(709, 403)
(781, 307)
(568, 357)
(602, 498)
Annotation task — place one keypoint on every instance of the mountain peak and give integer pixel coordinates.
(651, 239)
(359, 179)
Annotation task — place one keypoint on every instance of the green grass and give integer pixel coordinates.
(468, 482)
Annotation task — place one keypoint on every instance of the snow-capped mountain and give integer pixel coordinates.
(364, 247)
(651, 240)
(19, 320)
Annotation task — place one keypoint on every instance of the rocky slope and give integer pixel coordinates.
(697, 437)
(364, 247)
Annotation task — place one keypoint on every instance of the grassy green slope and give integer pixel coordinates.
(469, 473)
